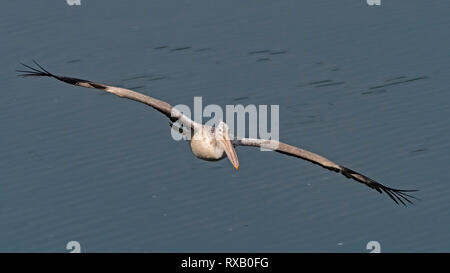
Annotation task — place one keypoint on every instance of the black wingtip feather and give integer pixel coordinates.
(34, 72)
(397, 195)
(43, 69)
(42, 72)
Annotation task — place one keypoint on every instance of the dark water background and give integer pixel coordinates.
(365, 86)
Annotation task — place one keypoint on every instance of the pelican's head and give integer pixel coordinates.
(223, 138)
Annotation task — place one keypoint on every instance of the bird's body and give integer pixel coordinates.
(205, 146)
(214, 143)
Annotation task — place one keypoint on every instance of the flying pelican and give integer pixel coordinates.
(214, 143)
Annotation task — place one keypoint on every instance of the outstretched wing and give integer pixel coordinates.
(162, 106)
(397, 195)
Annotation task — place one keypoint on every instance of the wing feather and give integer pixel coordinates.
(399, 196)
(161, 106)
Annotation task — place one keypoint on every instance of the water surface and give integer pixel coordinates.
(368, 87)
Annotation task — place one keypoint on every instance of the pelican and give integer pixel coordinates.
(214, 143)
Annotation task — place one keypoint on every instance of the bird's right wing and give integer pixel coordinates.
(162, 106)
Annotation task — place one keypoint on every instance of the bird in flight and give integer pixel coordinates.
(214, 143)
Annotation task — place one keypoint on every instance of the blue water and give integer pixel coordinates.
(366, 86)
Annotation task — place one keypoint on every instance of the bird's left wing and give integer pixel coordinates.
(397, 195)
